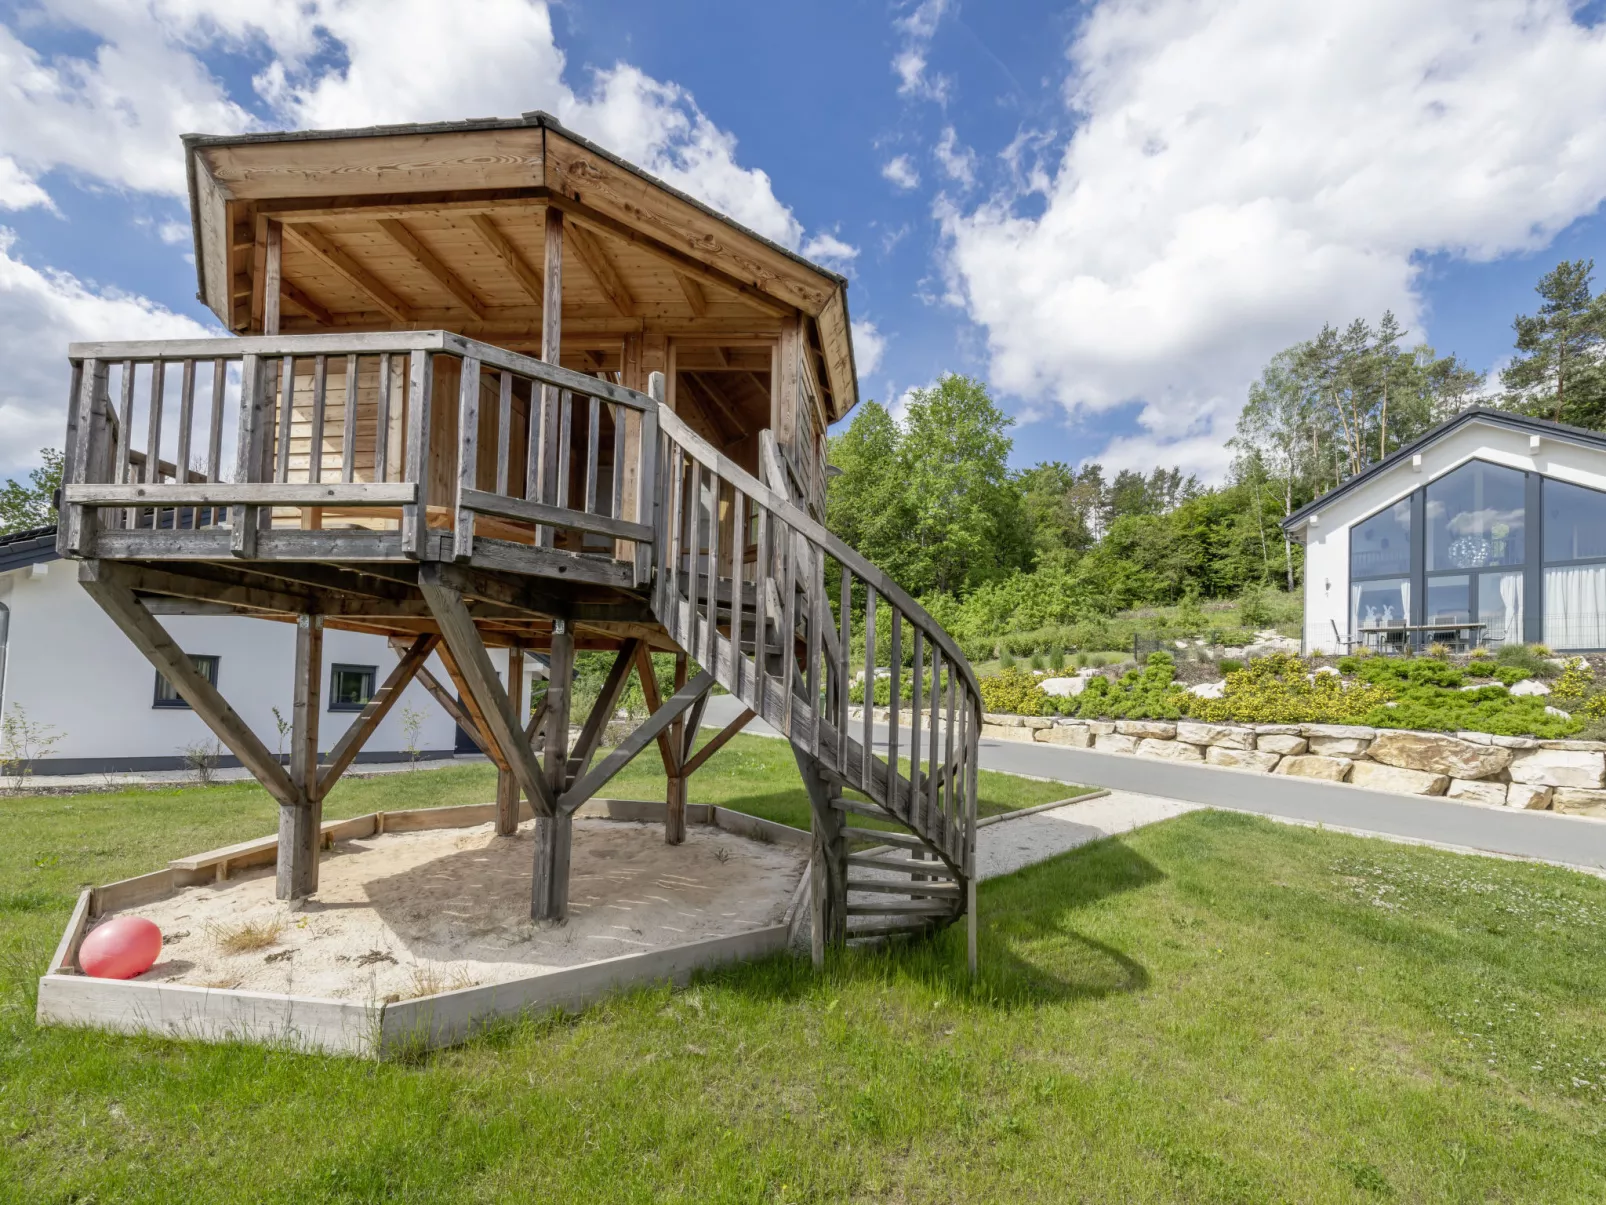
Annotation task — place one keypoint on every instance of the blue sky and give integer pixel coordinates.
(1113, 212)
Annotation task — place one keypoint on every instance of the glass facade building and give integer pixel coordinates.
(1484, 554)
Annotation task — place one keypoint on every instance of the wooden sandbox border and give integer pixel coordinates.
(308, 1023)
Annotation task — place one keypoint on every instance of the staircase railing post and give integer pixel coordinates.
(828, 863)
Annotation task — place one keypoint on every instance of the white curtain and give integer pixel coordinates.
(1405, 601)
(1511, 603)
(1575, 607)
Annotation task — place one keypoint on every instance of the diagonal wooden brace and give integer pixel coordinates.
(479, 676)
(602, 711)
(107, 585)
(444, 697)
(674, 707)
(375, 711)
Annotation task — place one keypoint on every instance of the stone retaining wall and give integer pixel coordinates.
(1514, 771)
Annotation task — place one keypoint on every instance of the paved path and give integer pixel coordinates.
(1005, 847)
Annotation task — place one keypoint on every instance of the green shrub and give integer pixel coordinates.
(1510, 675)
(1531, 657)
(1488, 709)
(1056, 658)
(1006, 659)
(1146, 694)
(1576, 680)
(1279, 689)
(1254, 610)
(1229, 665)
(1013, 692)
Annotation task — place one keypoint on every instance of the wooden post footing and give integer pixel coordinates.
(554, 839)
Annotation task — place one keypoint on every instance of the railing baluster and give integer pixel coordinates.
(618, 412)
(504, 430)
(214, 441)
(186, 418)
(788, 549)
(761, 611)
(287, 414)
(894, 699)
(949, 794)
(382, 421)
(678, 464)
(914, 723)
(320, 387)
(710, 655)
(593, 453)
(869, 687)
(738, 559)
(819, 608)
(125, 432)
(933, 775)
(693, 544)
(249, 442)
(420, 390)
(348, 433)
(468, 455)
(565, 445)
(843, 689)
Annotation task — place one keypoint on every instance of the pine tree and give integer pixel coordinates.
(1558, 371)
(29, 505)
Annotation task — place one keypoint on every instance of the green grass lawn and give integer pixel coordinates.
(1213, 1009)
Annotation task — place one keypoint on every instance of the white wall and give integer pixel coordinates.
(1327, 538)
(70, 667)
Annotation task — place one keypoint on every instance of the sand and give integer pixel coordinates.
(409, 914)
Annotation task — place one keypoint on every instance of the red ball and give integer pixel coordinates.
(123, 947)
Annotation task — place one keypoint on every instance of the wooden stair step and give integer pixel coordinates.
(905, 908)
(892, 927)
(873, 810)
(901, 840)
(947, 891)
(936, 870)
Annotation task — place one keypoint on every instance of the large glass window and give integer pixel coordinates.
(1575, 566)
(1575, 522)
(1500, 607)
(1380, 546)
(1383, 603)
(1448, 600)
(1476, 518)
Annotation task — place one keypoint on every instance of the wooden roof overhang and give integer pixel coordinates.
(440, 226)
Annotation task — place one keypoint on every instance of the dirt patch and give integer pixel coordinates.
(405, 914)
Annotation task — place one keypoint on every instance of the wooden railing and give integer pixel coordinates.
(349, 432)
(742, 585)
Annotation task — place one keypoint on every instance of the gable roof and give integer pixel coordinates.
(1476, 414)
(23, 548)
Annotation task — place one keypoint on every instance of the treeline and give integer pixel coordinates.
(992, 551)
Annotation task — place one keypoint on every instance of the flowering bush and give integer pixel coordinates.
(1014, 692)
(1279, 689)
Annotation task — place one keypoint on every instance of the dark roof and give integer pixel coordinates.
(1484, 414)
(23, 548)
(536, 117)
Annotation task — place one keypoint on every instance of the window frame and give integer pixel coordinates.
(208, 670)
(1544, 563)
(339, 667)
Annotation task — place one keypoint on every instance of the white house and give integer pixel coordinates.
(65, 668)
(1490, 528)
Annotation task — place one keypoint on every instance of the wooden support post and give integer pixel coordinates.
(507, 786)
(272, 280)
(543, 460)
(675, 801)
(300, 820)
(828, 862)
(554, 833)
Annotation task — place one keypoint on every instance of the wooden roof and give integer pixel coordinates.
(425, 226)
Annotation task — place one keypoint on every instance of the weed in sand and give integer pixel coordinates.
(247, 936)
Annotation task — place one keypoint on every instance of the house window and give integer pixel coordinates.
(350, 687)
(1476, 518)
(1381, 545)
(166, 696)
(1575, 566)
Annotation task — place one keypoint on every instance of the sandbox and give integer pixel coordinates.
(420, 929)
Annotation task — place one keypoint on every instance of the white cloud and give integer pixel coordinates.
(826, 248)
(902, 172)
(910, 63)
(1244, 171)
(958, 162)
(17, 188)
(869, 346)
(40, 313)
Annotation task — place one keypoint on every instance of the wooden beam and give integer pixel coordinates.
(595, 257)
(320, 245)
(301, 822)
(431, 263)
(375, 711)
(101, 581)
(441, 695)
(673, 709)
(693, 292)
(602, 711)
(298, 298)
(468, 650)
(471, 706)
(649, 691)
(272, 278)
(528, 278)
(507, 786)
(718, 743)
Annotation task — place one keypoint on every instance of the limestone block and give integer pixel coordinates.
(1161, 729)
(1101, 727)
(1075, 735)
(1062, 687)
(1209, 690)
(1334, 769)
(1355, 732)
(1243, 759)
(1528, 796)
(1036, 722)
(1477, 738)
(1558, 768)
(1437, 754)
(1380, 777)
(1471, 791)
(1575, 746)
(1280, 743)
(1279, 729)
(1225, 735)
(1514, 742)
(1110, 742)
(1169, 750)
(1002, 720)
(1578, 801)
(1338, 746)
(1005, 732)
(1529, 687)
